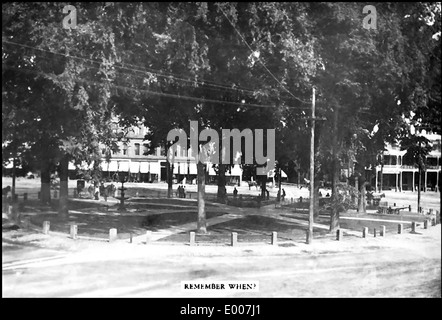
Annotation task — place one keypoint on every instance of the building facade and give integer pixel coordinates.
(399, 175)
(133, 160)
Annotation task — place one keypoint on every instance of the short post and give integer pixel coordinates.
(426, 224)
(374, 232)
(364, 232)
(400, 228)
(25, 196)
(148, 236)
(192, 238)
(413, 226)
(130, 237)
(339, 234)
(74, 231)
(112, 234)
(234, 238)
(409, 208)
(274, 238)
(382, 233)
(46, 227)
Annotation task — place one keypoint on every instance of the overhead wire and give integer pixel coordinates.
(144, 70)
(262, 63)
(170, 95)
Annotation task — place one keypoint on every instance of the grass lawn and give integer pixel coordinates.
(97, 224)
(251, 228)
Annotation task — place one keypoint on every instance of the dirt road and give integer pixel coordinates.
(407, 265)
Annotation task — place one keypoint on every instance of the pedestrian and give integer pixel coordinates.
(178, 192)
(235, 192)
(90, 190)
(184, 192)
(96, 191)
(102, 188)
(105, 193)
(283, 194)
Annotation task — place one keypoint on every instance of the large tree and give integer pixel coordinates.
(63, 76)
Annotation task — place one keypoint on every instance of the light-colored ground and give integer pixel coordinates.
(407, 265)
(429, 199)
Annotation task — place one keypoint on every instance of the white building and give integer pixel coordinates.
(399, 175)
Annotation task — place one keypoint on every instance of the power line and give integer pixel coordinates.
(169, 95)
(140, 69)
(262, 63)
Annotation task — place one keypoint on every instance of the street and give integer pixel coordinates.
(407, 265)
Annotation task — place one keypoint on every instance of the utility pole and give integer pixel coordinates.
(420, 180)
(312, 173)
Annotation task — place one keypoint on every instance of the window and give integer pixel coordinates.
(137, 149)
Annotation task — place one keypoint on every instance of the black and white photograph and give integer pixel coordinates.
(210, 151)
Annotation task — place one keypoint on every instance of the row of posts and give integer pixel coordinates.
(382, 230)
(234, 235)
(233, 239)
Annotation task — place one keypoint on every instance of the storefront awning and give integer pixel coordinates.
(104, 166)
(180, 168)
(235, 171)
(212, 171)
(134, 167)
(113, 166)
(155, 167)
(123, 166)
(192, 168)
(144, 167)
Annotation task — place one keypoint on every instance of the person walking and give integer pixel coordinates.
(96, 191)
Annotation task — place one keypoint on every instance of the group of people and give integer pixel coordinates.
(95, 190)
(181, 191)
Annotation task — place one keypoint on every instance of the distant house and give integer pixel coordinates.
(399, 175)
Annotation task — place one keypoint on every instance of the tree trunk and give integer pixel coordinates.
(45, 181)
(334, 217)
(64, 190)
(316, 200)
(222, 193)
(201, 177)
(419, 190)
(169, 173)
(381, 178)
(263, 187)
(279, 188)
